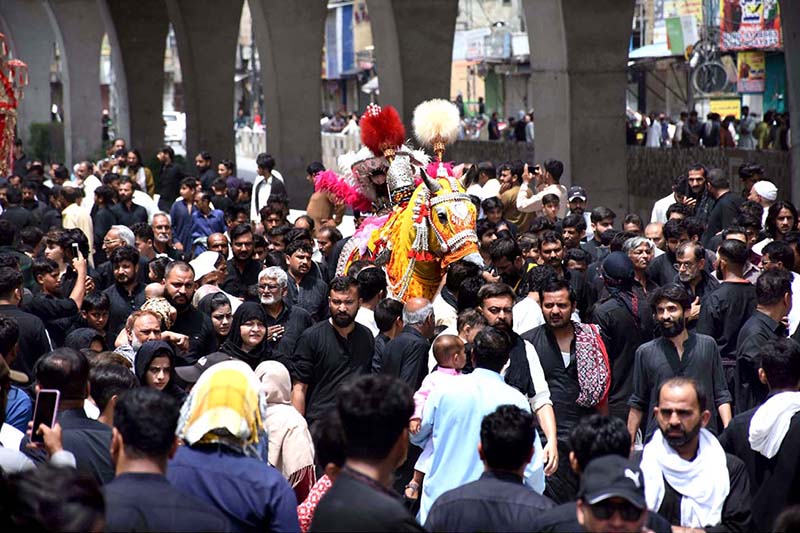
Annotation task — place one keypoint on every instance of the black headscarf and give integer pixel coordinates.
(618, 276)
(83, 337)
(149, 351)
(204, 306)
(233, 345)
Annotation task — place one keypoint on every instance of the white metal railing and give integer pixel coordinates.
(250, 143)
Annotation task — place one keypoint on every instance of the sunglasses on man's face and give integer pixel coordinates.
(605, 510)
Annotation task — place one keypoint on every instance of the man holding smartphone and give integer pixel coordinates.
(537, 183)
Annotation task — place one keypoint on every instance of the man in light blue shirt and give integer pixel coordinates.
(452, 419)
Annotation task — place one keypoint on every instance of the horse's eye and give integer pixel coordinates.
(442, 217)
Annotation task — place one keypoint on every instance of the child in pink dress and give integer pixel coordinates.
(450, 359)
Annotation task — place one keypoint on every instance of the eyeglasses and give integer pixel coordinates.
(606, 509)
(680, 266)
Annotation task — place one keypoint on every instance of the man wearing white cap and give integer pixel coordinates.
(764, 193)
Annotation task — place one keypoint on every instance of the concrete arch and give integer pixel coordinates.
(21, 19)
(206, 32)
(138, 32)
(78, 28)
(579, 60)
(290, 36)
(414, 48)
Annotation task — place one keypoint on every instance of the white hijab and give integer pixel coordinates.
(771, 421)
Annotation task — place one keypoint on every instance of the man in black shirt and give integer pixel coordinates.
(499, 500)
(595, 437)
(14, 212)
(306, 287)
(389, 319)
(724, 311)
(33, 340)
(374, 412)
(774, 300)
(163, 243)
(242, 270)
(677, 352)
(206, 172)
(126, 213)
(126, 294)
(140, 497)
(771, 456)
(684, 467)
(329, 353)
(602, 219)
(179, 289)
(621, 327)
(285, 322)
(406, 356)
(168, 179)
(726, 207)
(67, 371)
(49, 305)
(507, 263)
(661, 269)
(691, 264)
(563, 347)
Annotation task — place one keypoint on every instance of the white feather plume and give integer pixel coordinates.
(436, 118)
(347, 160)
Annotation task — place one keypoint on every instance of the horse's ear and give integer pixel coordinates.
(432, 184)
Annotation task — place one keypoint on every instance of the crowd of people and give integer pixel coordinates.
(217, 371)
(746, 132)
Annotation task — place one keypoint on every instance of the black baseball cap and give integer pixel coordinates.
(576, 191)
(612, 476)
(191, 373)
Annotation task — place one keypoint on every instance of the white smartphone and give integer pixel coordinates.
(45, 411)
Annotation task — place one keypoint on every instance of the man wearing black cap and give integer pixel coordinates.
(576, 202)
(611, 497)
(547, 181)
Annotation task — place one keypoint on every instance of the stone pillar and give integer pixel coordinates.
(578, 69)
(290, 37)
(207, 32)
(137, 32)
(79, 29)
(414, 50)
(790, 19)
(30, 39)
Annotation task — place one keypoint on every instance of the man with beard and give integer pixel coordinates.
(242, 269)
(703, 201)
(551, 252)
(726, 205)
(724, 311)
(127, 213)
(688, 477)
(779, 255)
(568, 351)
(330, 352)
(676, 352)
(692, 275)
(524, 370)
(140, 327)
(781, 219)
(507, 262)
(162, 230)
(126, 294)
(307, 289)
(206, 172)
(179, 288)
(602, 219)
(284, 322)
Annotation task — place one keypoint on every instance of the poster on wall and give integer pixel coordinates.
(749, 24)
(726, 106)
(752, 72)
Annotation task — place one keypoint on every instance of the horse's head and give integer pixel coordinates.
(452, 219)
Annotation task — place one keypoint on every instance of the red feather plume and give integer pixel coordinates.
(381, 128)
